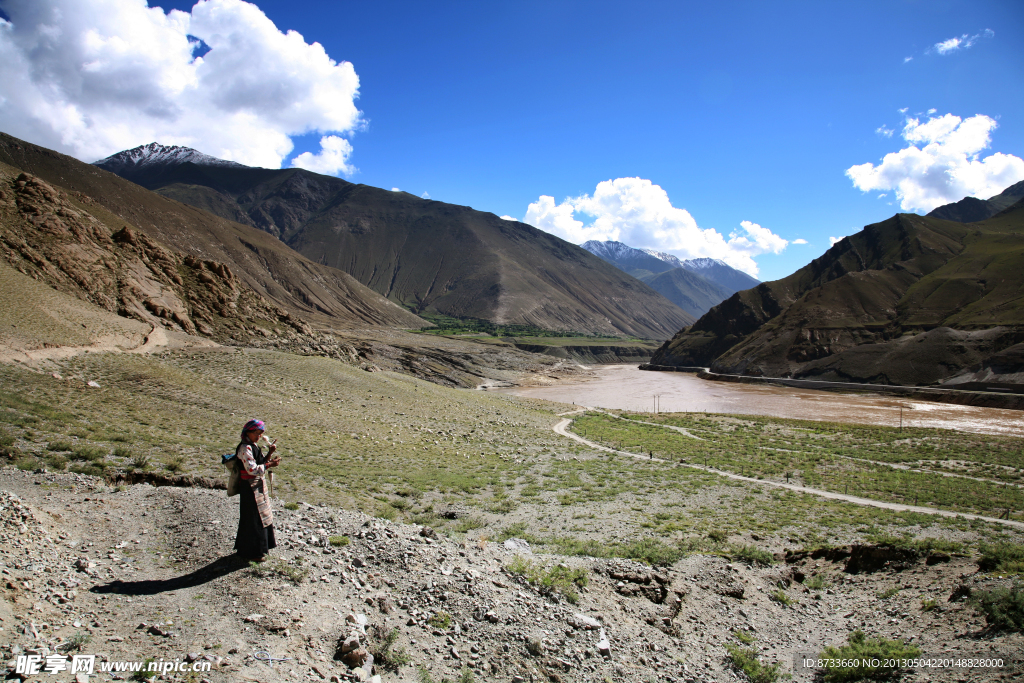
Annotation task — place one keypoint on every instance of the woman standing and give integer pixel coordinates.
(255, 520)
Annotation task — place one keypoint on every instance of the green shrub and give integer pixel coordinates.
(337, 541)
(175, 464)
(281, 568)
(1004, 558)
(122, 452)
(718, 536)
(76, 642)
(558, 579)
(752, 555)
(139, 462)
(56, 461)
(887, 593)
(746, 661)
(59, 446)
(928, 604)
(386, 655)
(88, 453)
(817, 582)
(1003, 607)
(441, 620)
(291, 506)
(744, 637)
(780, 597)
(27, 463)
(864, 650)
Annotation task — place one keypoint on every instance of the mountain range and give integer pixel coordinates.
(695, 285)
(913, 300)
(972, 209)
(429, 257)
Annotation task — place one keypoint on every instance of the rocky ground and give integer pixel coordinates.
(143, 572)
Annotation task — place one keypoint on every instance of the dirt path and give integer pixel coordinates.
(562, 429)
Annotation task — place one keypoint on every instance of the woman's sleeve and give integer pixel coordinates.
(249, 462)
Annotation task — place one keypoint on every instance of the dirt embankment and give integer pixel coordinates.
(146, 572)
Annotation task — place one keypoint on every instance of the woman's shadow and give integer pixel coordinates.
(214, 570)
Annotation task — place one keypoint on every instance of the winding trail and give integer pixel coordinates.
(562, 430)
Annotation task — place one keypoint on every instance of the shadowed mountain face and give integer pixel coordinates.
(911, 300)
(971, 209)
(274, 272)
(428, 256)
(687, 290)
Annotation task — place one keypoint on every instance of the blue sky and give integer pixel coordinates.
(740, 112)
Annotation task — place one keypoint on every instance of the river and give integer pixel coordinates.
(625, 387)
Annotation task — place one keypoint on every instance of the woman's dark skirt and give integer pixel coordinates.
(253, 539)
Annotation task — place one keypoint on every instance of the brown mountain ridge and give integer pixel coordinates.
(913, 300)
(428, 256)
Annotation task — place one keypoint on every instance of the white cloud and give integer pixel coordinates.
(639, 213)
(833, 241)
(395, 189)
(942, 164)
(885, 132)
(903, 110)
(509, 218)
(961, 42)
(93, 77)
(331, 160)
(425, 195)
(907, 59)
(799, 241)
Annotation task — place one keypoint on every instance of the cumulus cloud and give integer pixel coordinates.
(93, 77)
(885, 132)
(833, 241)
(639, 213)
(331, 160)
(425, 195)
(508, 218)
(942, 164)
(961, 42)
(799, 241)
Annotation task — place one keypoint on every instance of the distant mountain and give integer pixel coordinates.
(687, 290)
(913, 300)
(641, 263)
(427, 256)
(180, 242)
(155, 154)
(636, 262)
(721, 273)
(971, 209)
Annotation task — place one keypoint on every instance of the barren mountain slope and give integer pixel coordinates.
(429, 256)
(912, 300)
(322, 295)
(691, 292)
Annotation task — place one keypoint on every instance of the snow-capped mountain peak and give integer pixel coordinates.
(663, 256)
(703, 263)
(608, 250)
(155, 154)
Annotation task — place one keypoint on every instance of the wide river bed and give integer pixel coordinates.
(625, 387)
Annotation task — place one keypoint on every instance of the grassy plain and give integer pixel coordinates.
(488, 466)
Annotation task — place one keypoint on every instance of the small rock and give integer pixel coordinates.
(253, 618)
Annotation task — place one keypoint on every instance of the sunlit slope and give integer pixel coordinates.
(317, 293)
(911, 300)
(428, 256)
